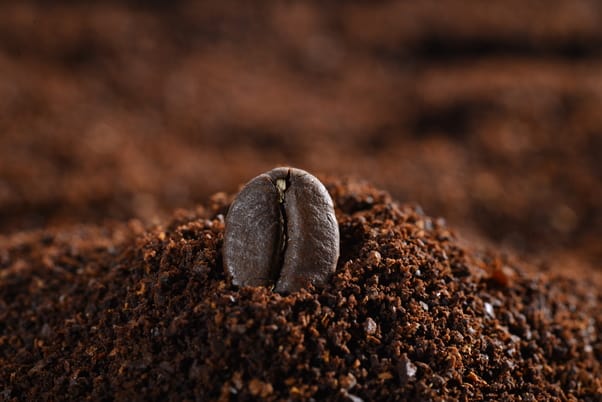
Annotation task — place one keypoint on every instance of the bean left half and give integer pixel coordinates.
(281, 232)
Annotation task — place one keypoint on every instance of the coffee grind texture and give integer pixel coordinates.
(127, 312)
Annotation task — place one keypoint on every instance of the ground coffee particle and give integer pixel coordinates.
(123, 312)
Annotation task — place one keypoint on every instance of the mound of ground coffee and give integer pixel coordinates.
(127, 312)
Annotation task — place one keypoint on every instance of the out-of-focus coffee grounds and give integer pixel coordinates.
(487, 113)
(127, 312)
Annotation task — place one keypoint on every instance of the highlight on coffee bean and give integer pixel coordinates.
(281, 232)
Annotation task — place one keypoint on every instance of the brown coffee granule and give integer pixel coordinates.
(127, 312)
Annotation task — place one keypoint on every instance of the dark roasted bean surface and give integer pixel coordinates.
(281, 232)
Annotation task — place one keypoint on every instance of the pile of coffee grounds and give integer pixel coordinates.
(124, 311)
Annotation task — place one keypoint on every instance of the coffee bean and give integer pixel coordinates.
(281, 232)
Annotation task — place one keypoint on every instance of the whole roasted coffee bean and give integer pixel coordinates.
(281, 232)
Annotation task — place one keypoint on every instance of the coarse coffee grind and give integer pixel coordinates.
(123, 311)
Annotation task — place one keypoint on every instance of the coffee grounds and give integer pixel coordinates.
(128, 312)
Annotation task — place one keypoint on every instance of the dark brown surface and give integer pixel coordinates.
(134, 314)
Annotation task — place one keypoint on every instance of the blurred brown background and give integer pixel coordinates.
(486, 113)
